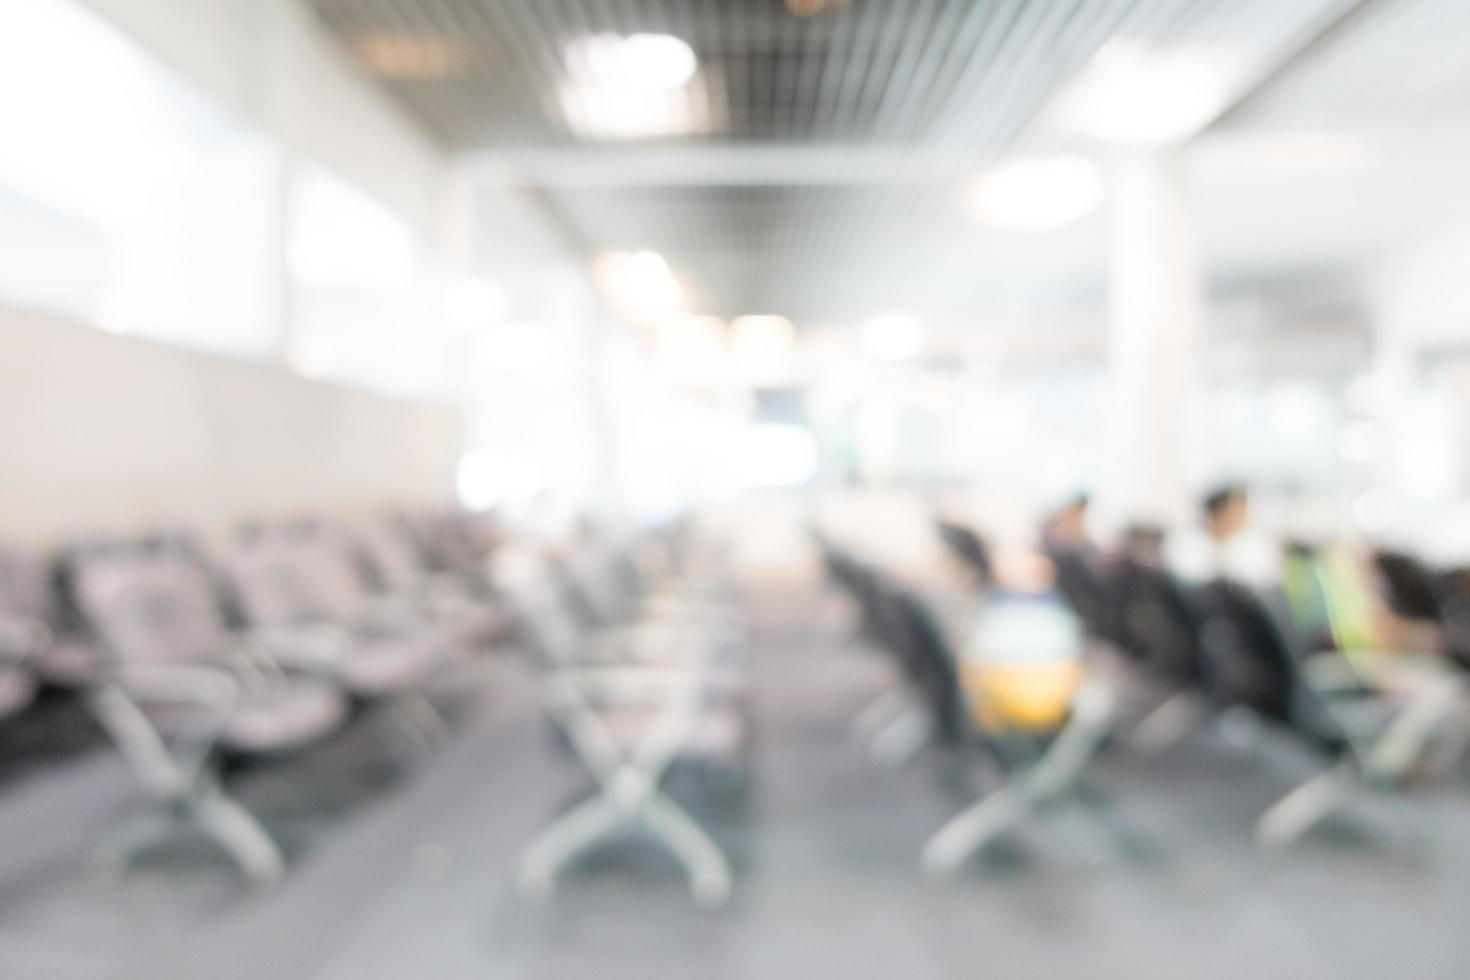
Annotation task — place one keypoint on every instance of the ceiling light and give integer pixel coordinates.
(893, 337)
(637, 284)
(1130, 95)
(624, 87)
(1037, 194)
(650, 62)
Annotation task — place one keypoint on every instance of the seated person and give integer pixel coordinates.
(1226, 547)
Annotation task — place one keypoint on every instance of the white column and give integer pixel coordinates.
(1155, 325)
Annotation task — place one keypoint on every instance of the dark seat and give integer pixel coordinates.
(1367, 742)
(967, 545)
(1152, 620)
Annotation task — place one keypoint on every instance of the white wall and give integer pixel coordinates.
(104, 435)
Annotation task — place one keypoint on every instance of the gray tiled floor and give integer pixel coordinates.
(407, 877)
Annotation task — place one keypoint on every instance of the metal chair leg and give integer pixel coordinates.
(708, 869)
(971, 830)
(560, 842)
(1305, 807)
(237, 831)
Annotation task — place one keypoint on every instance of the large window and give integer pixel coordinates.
(126, 198)
(362, 293)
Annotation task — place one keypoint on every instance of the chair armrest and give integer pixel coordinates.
(312, 647)
(161, 684)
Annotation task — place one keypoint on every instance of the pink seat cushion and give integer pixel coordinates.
(285, 717)
(378, 667)
(70, 663)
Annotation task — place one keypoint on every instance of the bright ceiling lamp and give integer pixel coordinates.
(1037, 194)
(637, 284)
(624, 87)
(894, 337)
(651, 62)
(1130, 95)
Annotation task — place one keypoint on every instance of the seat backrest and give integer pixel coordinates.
(392, 555)
(1081, 584)
(1252, 658)
(967, 545)
(284, 578)
(451, 541)
(149, 606)
(1412, 590)
(931, 663)
(1153, 621)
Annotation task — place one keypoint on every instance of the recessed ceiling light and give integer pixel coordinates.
(624, 87)
(1037, 194)
(650, 62)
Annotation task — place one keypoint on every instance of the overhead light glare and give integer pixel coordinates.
(651, 62)
(621, 87)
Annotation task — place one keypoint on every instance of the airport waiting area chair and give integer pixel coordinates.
(179, 685)
(1031, 773)
(25, 633)
(300, 586)
(1367, 742)
(649, 688)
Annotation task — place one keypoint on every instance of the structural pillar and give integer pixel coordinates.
(1156, 307)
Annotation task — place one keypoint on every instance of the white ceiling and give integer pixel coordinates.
(832, 183)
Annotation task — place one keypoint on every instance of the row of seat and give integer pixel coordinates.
(642, 654)
(256, 649)
(1191, 655)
